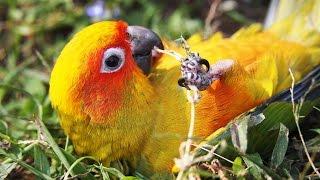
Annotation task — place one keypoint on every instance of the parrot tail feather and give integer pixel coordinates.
(295, 20)
(308, 87)
(272, 11)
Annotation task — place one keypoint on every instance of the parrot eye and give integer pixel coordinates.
(112, 60)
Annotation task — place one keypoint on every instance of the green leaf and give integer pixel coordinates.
(253, 168)
(316, 130)
(281, 146)
(129, 178)
(11, 76)
(78, 167)
(41, 124)
(6, 168)
(239, 134)
(263, 137)
(33, 170)
(115, 172)
(3, 127)
(17, 159)
(10, 149)
(255, 120)
(237, 164)
(238, 169)
(40, 160)
(77, 163)
(35, 87)
(105, 175)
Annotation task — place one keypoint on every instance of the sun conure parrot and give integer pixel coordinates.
(117, 98)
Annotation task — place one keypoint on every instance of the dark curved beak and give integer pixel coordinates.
(143, 42)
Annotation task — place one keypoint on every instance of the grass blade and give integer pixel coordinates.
(40, 160)
(42, 126)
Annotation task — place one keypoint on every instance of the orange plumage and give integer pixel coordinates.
(126, 114)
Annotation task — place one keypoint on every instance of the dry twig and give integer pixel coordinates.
(296, 113)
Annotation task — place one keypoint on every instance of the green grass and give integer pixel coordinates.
(33, 32)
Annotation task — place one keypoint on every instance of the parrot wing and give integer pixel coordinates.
(264, 122)
(262, 59)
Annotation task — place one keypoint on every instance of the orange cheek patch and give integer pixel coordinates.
(102, 94)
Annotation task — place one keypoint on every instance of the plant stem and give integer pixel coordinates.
(192, 122)
(296, 111)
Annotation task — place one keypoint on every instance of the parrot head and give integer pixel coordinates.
(102, 69)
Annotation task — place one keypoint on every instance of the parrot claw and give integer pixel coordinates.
(206, 63)
(182, 83)
(194, 73)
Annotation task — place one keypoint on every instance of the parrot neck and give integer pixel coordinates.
(124, 131)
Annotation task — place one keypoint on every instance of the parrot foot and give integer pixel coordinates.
(220, 68)
(197, 71)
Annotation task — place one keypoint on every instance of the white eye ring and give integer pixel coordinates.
(112, 60)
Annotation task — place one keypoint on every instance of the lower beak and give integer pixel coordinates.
(143, 42)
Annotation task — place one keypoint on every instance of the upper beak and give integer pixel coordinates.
(143, 42)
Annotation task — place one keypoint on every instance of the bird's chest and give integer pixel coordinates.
(105, 143)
